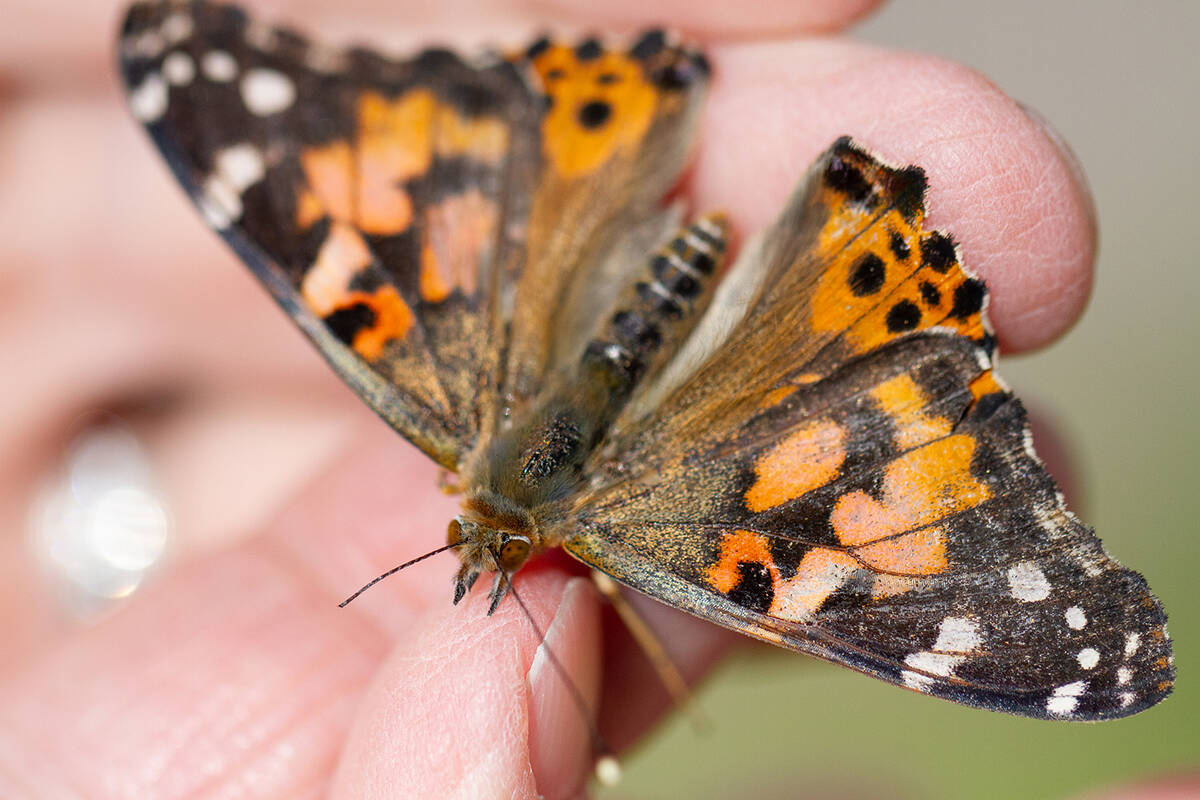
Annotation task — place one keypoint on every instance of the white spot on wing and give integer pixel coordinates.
(934, 663)
(958, 635)
(1123, 675)
(177, 27)
(241, 166)
(915, 680)
(1061, 705)
(179, 69)
(1088, 657)
(218, 66)
(1132, 642)
(148, 101)
(267, 91)
(1076, 619)
(1126, 698)
(1028, 583)
(235, 169)
(1064, 700)
(219, 204)
(148, 44)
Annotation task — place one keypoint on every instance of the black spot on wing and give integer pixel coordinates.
(754, 589)
(930, 293)
(594, 114)
(937, 252)
(968, 298)
(649, 44)
(588, 50)
(904, 316)
(844, 177)
(537, 47)
(908, 187)
(345, 323)
(867, 276)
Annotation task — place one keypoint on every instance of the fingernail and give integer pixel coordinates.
(559, 743)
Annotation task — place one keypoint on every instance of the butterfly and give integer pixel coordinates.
(807, 444)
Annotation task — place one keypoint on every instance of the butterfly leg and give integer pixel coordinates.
(447, 482)
(652, 646)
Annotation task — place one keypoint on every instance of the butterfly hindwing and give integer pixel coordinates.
(867, 494)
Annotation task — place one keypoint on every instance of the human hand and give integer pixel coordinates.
(236, 672)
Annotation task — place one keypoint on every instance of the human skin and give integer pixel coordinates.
(235, 673)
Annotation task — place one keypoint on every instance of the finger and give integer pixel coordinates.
(45, 44)
(234, 669)
(353, 534)
(999, 182)
(472, 706)
(715, 21)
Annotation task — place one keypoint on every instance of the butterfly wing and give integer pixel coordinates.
(395, 208)
(864, 489)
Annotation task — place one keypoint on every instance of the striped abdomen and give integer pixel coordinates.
(656, 314)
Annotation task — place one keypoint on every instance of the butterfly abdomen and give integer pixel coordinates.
(661, 308)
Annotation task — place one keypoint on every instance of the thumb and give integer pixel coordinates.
(470, 706)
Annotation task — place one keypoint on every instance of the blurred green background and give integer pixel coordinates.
(1121, 83)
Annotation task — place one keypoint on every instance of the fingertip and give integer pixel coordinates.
(465, 707)
(999, 181)
(773, 18)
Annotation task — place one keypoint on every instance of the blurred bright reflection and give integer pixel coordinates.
(100, 524)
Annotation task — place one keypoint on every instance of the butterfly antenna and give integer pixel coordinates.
(394, 570)
(607, 768)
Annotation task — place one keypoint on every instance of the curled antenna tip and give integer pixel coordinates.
(608, 770)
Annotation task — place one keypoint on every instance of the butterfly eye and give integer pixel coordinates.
(454, 534)
(513, 553)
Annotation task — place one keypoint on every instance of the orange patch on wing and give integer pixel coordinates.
(482, 139)
(342, 255)
(906, 403)
(985, 384)
(736, 547)
(820, 573)
(328, 169)
(361, 182)
(591, 119)
(393, 319)
(919, 488)
(777, 396)
(871, 293)
(309, 209)
(921, 552)
(459, 233)
(891, 585)
(432, 285)
(808, 458)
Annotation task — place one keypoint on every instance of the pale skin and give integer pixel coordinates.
(236, 671)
